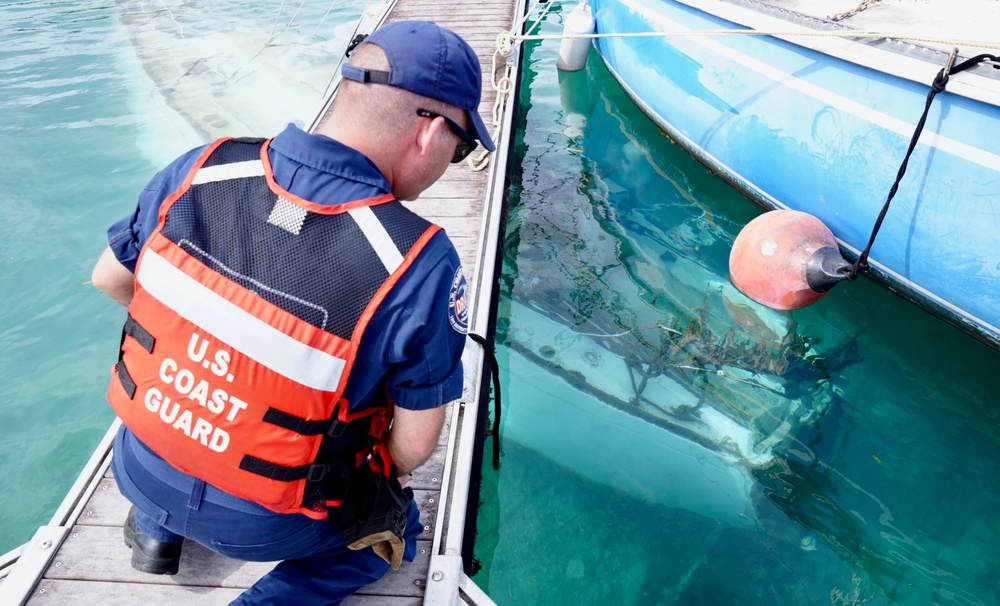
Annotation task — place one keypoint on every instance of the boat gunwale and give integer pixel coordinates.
(899, 57)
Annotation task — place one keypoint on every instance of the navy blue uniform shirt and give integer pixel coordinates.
(412, 347)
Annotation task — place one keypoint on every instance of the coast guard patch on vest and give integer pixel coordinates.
(458, 303)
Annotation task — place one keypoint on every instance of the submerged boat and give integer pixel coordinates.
(814, 113)
(637, 342)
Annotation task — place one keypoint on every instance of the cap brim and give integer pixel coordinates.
(480, 131)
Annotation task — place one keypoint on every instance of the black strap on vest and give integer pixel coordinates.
(331, 478)
(140, 334)
(144, 339)
(333, 475)
(125, 379)
(331, 427)
(316, 472)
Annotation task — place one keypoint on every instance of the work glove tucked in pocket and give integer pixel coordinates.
(375, 515)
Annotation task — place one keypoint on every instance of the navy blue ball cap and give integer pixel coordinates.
(429, 60)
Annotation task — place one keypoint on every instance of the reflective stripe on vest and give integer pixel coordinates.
(235, 361)
(205, 308)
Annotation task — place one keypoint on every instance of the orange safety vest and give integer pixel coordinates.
(249, 307)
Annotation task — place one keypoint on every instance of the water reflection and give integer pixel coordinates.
(865, 425)
(637, 263)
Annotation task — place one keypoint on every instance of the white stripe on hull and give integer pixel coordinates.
(959, 149)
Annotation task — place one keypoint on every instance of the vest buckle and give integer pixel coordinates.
(336, 429)
(317, 472)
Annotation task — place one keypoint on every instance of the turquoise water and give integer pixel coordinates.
(84, 124)
(666, 441)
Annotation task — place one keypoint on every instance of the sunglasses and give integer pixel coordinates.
(468, 143)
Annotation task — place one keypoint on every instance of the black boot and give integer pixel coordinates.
(150, 555)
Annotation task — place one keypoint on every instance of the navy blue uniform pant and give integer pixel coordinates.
(316, 567)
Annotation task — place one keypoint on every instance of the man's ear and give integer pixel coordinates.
(427, 134)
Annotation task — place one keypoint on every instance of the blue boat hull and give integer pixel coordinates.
(796, 128)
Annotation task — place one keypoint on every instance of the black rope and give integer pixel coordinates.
(940, 81)
(491, 358)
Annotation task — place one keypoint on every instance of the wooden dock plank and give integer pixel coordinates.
(98, 553)
(449, 200)
(444, 193)
(100, 593)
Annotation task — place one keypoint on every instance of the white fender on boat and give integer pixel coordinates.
(573, 51)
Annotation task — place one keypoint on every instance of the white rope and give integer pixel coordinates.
(755, 32)
(504, 85)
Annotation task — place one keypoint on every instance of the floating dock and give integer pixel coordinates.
(80, 558)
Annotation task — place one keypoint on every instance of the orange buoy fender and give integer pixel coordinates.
(786, 259)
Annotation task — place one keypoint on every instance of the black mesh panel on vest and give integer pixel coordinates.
(403, 225)
(235, 150)
(326, 274)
